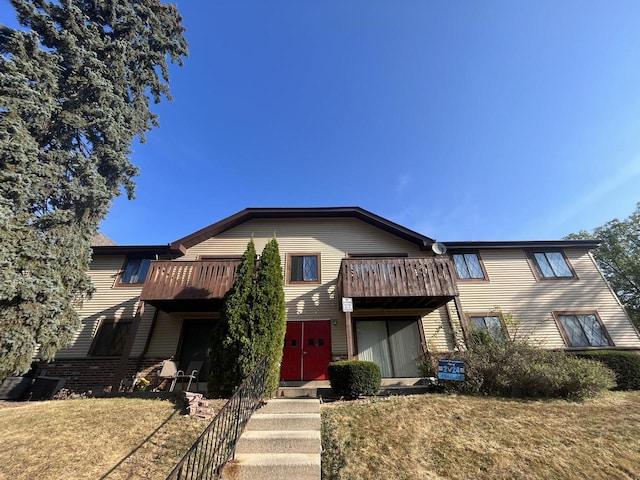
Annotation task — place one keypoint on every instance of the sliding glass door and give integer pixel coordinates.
(393, 343)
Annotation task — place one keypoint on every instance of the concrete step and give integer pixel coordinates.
(300, 405)
(284, 421)
(268, 441)
(297, 392)
(270, 466)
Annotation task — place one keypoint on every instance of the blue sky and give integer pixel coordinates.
(467, 120)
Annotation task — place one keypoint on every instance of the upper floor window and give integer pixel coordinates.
(551, 265)
(487, 324)
(135, 271)
(110, 338)
(468, 266)
(303, 268)
(583, 330)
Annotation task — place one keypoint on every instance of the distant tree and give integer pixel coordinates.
(269, 313)
(232, 354)
(619, 258)
(76, 83)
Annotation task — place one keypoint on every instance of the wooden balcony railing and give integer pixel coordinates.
(397, 277)
(188, 280)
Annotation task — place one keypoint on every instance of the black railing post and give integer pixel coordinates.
(238, 421)
(217, 444)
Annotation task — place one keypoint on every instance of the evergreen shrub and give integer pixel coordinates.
(354, 378)
(252, 325)
(626, 366)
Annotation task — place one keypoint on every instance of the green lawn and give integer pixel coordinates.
(459, 437)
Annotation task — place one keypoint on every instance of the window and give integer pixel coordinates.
(110, 338)
(489, 324)
(583, 330)
(551, 265)
(304, 268)
(135, 271)
(393, 343)
(468, 266)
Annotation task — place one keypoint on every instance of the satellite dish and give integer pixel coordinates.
(439, 248)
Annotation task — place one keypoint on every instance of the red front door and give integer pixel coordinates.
(291, 368)
(307, 350)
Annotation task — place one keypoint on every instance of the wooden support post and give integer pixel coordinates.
(349, 327)
(462, 318)
(122, 365)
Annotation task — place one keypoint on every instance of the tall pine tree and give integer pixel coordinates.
(75, 90)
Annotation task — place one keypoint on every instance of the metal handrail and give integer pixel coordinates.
(217, 444)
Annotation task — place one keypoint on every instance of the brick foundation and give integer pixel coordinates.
(86, 374)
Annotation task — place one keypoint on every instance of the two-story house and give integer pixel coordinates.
(356, 286)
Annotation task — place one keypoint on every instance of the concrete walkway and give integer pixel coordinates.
(281, 441)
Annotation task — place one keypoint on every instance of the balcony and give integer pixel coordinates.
(188, 286)
(398, 282)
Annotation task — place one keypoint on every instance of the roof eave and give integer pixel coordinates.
(314, 212)
(523, 244)
(137, 250)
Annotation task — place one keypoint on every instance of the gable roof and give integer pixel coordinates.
(101, 240)
(316, 212)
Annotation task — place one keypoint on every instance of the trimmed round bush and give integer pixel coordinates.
(354, 378)
(626, 366)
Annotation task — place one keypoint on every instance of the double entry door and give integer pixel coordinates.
(307, 350)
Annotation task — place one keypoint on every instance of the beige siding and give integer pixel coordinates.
(513, 288)
(438, 330)
(333, 238)
(166, 337)
(107, 303)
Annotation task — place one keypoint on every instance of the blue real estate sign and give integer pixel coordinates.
(451, 370)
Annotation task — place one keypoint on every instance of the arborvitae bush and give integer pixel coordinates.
(232, 350)
(626, 366)
(354, 378)
(269, 313)
(253, 323)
